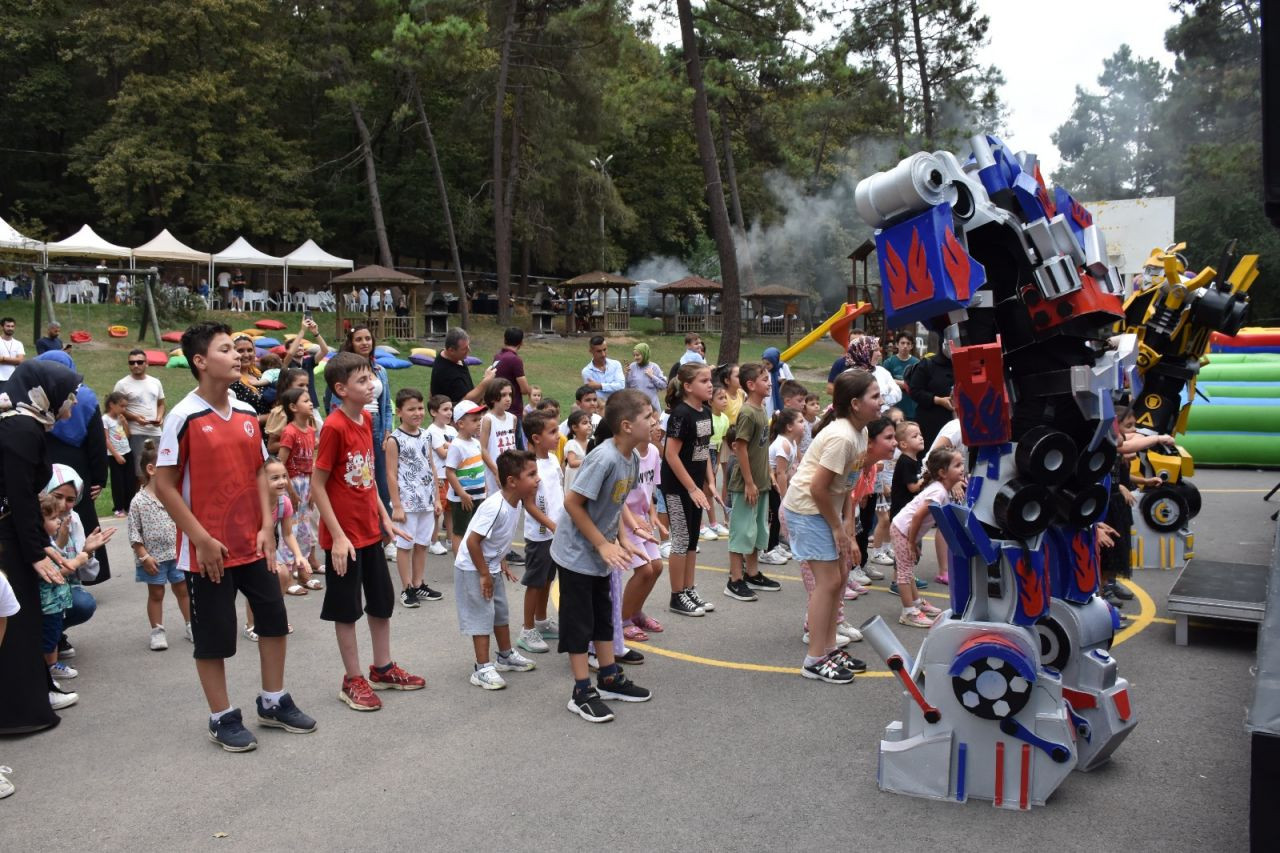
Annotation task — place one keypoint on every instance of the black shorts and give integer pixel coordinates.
(368, 573)
(586, 613)
(686, 521)
(460, 518)
(539, 570)
(214, 621)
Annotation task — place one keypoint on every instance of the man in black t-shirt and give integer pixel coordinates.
(450, 375)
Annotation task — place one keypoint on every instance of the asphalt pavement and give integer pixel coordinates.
(735, 751)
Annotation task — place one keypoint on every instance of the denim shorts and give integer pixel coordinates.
(811, 538)
(660, 501)
(169, 573)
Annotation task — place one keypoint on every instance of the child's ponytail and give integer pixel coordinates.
(939, 460)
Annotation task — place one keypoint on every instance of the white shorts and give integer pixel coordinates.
(421, 527)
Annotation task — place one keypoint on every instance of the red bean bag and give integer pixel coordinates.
(172, 337)
(157, 358)
(80, 336)
(280, 350)
(272, 325)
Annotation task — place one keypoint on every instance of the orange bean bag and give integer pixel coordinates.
(271, 325)
(118, 331)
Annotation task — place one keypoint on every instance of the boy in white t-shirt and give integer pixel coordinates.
(479, 591)
(441, 434)
(542, 435)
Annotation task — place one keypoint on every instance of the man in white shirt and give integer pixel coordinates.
(603, 374)
(145, 410)
(12, 352)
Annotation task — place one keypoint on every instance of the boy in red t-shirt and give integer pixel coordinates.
(211, 480)
(354, 526)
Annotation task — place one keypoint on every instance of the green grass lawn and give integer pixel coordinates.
(554, 364)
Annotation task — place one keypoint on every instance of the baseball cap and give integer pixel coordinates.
(465, 407)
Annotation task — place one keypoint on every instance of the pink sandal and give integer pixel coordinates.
(647, 623)
(631, 632)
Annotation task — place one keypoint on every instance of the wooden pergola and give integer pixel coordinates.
(678, 321)
(794, 302)
(383, 323)
(606, 320)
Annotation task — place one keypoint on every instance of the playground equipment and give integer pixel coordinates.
(837, 325)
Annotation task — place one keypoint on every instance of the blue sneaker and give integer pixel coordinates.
(229, 732)
(285, 716)
(920, 584)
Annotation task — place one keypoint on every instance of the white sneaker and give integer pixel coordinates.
(250, 634)
(844, 629)
(883, 556)
(593, 663)
(59, 700)
(720, 530)
(187, 633)
(772, 558)
(514, 662)
(873, 573)
(664, 550)
(61, 670)
(531, 641)
(859, 576)
(158, 640)
(841, 639)
(437, 547)
(785, 550)
(6, 787)
(707, 535)
(488, 678)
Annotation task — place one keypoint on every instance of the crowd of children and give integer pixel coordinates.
(232, 503)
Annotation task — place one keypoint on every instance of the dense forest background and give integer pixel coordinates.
(554, 136)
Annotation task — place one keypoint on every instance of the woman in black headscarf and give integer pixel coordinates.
(31, 401)
(80, 442)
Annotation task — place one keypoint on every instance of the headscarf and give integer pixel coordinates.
(38, 389)
(84, 415)
(860, 352)
(63, 474)
(643, 349)
(773, 358)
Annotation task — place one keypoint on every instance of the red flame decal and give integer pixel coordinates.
(1080, 214)
(918, 267)
(897, 274)
(1046, 201)
(956, 260)
(1031, 592)
(1083, 562)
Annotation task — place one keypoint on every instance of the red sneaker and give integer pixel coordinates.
(395, 679)
(356, 693)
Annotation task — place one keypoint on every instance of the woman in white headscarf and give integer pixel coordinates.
(32, 399)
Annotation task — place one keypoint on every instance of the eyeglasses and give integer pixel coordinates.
(132, 362)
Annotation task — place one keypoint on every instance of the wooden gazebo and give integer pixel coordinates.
(794, 303)
(700, 318)
(384, 323)
(607, 319)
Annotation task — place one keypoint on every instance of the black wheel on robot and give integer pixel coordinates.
(1055, 645)
(1190, 494)
(1046, 456)
(1164, 509)
(991, 688)
(1094, 464)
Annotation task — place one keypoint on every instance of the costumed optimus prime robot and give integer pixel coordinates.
(1014, 686)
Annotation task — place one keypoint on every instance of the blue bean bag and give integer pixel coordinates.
(423, 360)
(265, 342)
(390, 362)
(472, 360)
(383, 349)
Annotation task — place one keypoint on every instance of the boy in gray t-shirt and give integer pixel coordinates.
(584, 551)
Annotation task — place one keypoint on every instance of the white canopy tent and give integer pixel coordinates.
(166, 247)
(241, 253)
(14, 241)
(85, 243)
(309, 256)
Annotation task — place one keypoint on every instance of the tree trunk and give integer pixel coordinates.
(900, 66)
(371, 178)
(730, 303)
(501, 212)
(736, 200)
(463, 309)
(926, 97)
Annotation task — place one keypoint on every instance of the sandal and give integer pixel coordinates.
(647, 623)
(313, 584)
(295, 589)
(631, 632)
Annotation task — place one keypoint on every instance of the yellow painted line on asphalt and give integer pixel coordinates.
(1146, 613)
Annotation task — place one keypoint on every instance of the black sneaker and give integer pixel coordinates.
(409, 597)
(229, 732)
(589, 706)
(738, 589)
(513, 557)
(285, 716)
(618, 686)
(849, 662)
(761, 582)
(1111, 598)
(699, 600)
(631, 658)
(66, 651)
(426, 593)
(828, 670)
(1119, 591)
(681, 603)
